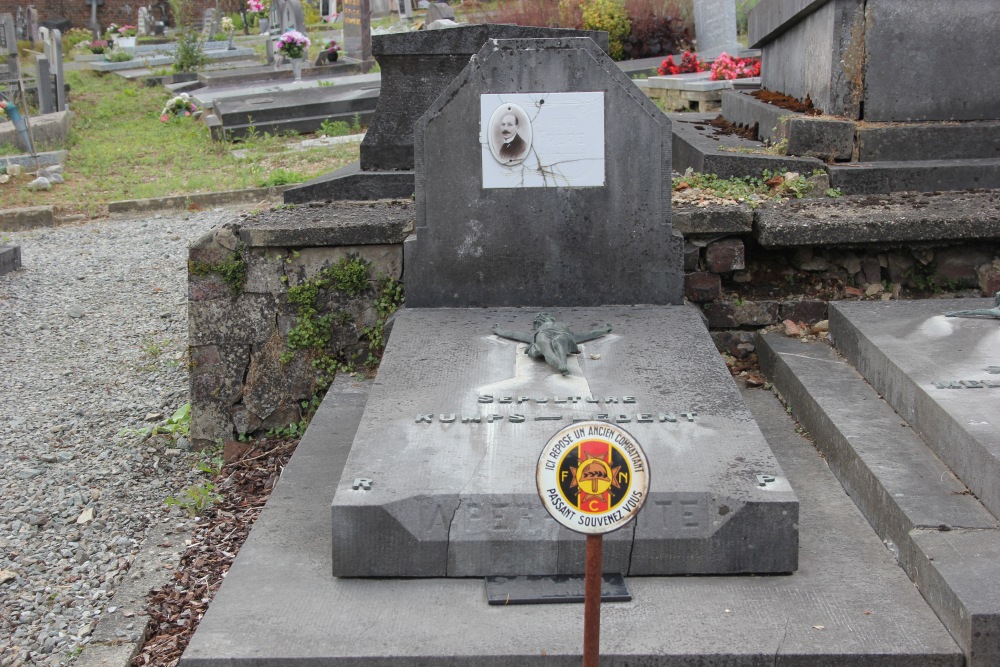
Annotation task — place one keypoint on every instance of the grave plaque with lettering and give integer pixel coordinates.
(357, 30)
(8, 36)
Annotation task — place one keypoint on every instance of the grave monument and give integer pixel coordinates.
(431, 467)
(357, 30)
(449, 444)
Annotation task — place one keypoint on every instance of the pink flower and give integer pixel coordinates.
(163, 118)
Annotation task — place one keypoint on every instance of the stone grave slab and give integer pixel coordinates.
(10, 258)
(357, 30)
(454, 426)
(279, 605)
(580, 217)
(941, 374)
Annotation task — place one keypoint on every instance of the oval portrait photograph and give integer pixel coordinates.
(510, 134)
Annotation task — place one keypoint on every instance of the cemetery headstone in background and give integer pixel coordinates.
(715, 28)
(144, 23)
(357, 30)
(380, 8)
(292, 16)
(438, 11)
(8, 47)
(33, 25)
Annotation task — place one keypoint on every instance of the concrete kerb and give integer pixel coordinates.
(32, 217)
(120, 635)
(224, 198)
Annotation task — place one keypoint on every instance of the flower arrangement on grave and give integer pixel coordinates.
(182, 105)
(293, 44)
(128, 31)
(726, 68)
(98, 46)
(332, 50)
(257, 7)
(690, 62)
(227, 25)
(3, 109)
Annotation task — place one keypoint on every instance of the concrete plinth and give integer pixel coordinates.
(848, 605)
(452, 497)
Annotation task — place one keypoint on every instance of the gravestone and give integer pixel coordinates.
(59, 71)
(438, 11)
(292, 16)
(380, 8)
(405, 9)
(8, 48)
(144, 23)
(715, 28)
(33, 25)
(210, 23)
(21, 24)
(440, 478)
(357, 30)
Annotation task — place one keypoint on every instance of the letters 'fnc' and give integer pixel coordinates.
(551, 340)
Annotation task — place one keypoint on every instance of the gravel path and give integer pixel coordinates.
(93, 340)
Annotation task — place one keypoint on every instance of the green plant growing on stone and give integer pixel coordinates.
(119, 56)
(388, 301)
(611, 16)
(189, 56)
(176, 425)
(336, 128)
(834, 192)
(233, 270)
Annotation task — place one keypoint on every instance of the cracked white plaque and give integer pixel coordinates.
(560, 135)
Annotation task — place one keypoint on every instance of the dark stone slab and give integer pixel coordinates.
(457, 499)
(898, 218)
(261, 73)
(890, 343)
(942, 141)
(902, 83)
(302, 110)
(279, 605)
(726, 315)
(736, 219)
(350, 183)
(943, 537)
(10, 258)
(696, 146)
(357, 30)
(335, 224)
(771, 18)
(926, 176)
(416, 67)
(518, 246)
(552, 590)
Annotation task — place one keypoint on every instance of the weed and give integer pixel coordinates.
(195, 499)
(152, 348)
(337, 128)
(292, 431)
(119, 56)
(324, 83)
(176, 425)
(282, 176)
(189, 56)
(388, 301)
(233, 270)
(834, 192)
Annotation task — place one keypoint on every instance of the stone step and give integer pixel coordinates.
(864, 178)
(696, 146)
(907, 350)
(916, 141)
(349, 182)
(944, 539)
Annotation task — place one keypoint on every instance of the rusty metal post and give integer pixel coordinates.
(592, 602)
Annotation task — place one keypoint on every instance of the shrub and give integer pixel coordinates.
(653, 36)
(609, 15)
(190, 56)
(541, 13)
(75, 36)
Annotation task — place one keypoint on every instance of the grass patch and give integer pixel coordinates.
(119, 149)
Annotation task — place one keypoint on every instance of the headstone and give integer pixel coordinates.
(8, 48)
(159, 27)
(144, 23)
(60, 74)
(21, 24)
(380, 8)
(275, 14)
(561, 174)
(33, 25)
(292, 16)
(43, 36)
(438, 11)
(210, 23)
(357, 30)
(405, 9)
(715, 28)
(43, 78)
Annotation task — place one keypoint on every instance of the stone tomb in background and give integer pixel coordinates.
(440, 477)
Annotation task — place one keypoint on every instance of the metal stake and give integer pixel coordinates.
(592, 602)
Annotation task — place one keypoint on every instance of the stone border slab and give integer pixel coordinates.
(45, 159)
(700, 150)
(861, 178)
(812, 136)
(336, 224)
(915, 141)
(350, 182)
(248, 196)
(31, 217)
(279, 605)
(891, 343)
(141, 61)
(946, 541)
(10, 258)
(736, 219)
(896, 218)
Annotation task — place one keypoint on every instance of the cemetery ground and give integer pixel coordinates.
(119, 149)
